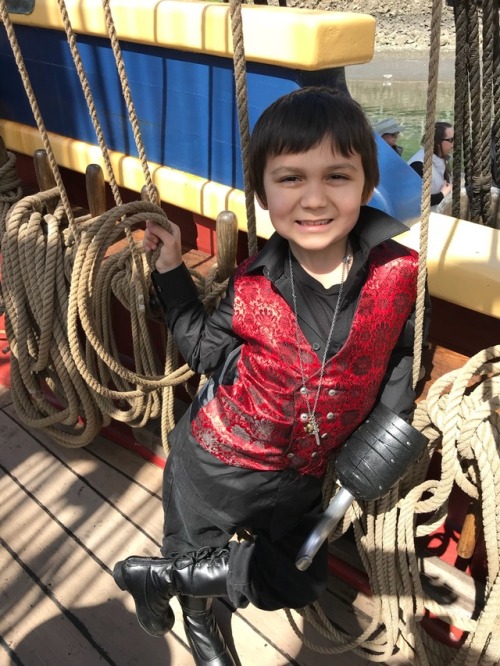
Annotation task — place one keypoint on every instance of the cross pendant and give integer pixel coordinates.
(312, 429)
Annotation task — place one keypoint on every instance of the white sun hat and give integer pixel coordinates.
(387, 126)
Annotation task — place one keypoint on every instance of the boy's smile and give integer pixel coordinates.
(313, 200)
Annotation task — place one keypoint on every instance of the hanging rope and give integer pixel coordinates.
(242, 105)
(430, 120)
(130, 282)
(127, 95)
(477, 112)
(9, 29)
(461, 145)
(75, 53)
(10, 192)
(35, 287)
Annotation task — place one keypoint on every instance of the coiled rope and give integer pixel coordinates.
(10, 192)
(64, 382)
(461, 418)
(10, 184)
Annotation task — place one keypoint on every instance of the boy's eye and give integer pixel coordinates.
(289, 179)
(337, 176)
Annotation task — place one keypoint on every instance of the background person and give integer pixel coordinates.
(389, 130)
(444, 136)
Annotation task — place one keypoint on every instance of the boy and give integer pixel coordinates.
(315, 330)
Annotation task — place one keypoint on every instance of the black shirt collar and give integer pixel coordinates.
(372, 228)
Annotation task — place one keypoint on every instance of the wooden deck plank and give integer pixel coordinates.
(70, 550)
(77, 498)
(73, 512)
(70, 537)
(26, 608)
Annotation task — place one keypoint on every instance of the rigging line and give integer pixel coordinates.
(9, 28)
(460, 105)
(475, 101)
(127, 94)
(70, 34)
(242, 104)
(487, 80)
(432, 85)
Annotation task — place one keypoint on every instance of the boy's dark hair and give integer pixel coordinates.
(300, 120)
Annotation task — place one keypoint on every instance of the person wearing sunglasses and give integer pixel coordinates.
(441, 175)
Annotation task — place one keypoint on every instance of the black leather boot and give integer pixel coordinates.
(202, 573)
(145, 579)
(153, 581)
(208, 646)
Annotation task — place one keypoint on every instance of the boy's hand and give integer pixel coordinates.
(156, 237)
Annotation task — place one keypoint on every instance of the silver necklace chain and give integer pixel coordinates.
(312, 423)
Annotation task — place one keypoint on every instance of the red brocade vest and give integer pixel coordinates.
(258, 422)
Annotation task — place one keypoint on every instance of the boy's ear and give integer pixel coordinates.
(367, 198)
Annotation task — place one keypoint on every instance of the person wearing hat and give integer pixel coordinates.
(389, 130)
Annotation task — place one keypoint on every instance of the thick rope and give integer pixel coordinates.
(10, 192)
(75, 53)
(9, 28)
(460, 147)
(10, 186)
(462, 416)
(487, 102)
(477, 114)
(47, 390)
(475, 93)
(127, 95)
(46, 351)
(242, 105)
(430, 119)
(65, 382)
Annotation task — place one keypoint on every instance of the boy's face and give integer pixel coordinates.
(314, 198)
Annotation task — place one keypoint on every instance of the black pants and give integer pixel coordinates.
(205, 501)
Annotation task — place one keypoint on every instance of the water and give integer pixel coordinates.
(396, 87)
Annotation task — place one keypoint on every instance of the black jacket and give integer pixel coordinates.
(205, 341)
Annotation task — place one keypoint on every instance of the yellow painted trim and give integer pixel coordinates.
(463, 257)
(305, 39)
(179, 188)
(463, 262)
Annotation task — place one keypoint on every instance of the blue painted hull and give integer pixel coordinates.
(185, 103)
